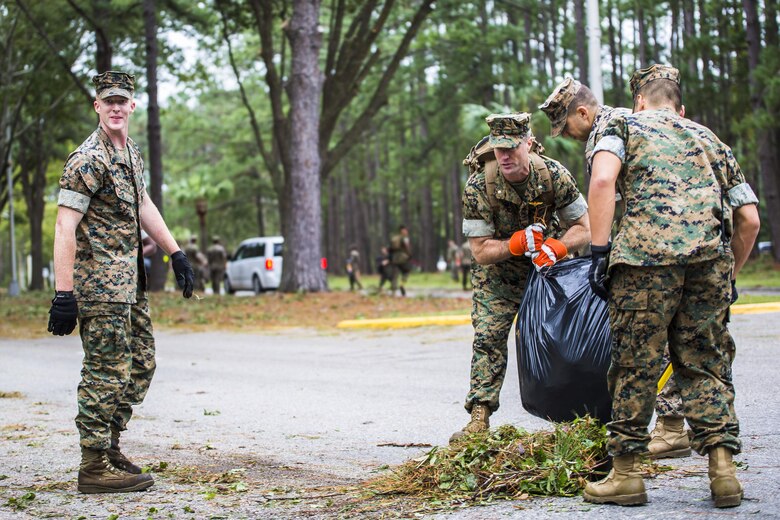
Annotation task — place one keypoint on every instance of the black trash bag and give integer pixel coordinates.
(563, 345)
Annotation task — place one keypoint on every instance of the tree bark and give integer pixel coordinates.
(303, 235)
(159, 271)
(582, 45)
(767, 153)
(642, 34)
(617, 83)
(33, 178)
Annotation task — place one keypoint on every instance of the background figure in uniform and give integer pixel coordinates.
(400, 259)
(216, 256)
(513, 207)
(100, 281)
(465, 265)
(384, 268)
(199, 263)
(574, 112)
(689, 224)
(353, 268)
(454, 259)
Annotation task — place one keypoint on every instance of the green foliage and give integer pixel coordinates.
(506, 462)
(21, 502)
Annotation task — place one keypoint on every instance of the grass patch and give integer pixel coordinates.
(760, 272)
(504, 463)
(26, 316)
(11, 395)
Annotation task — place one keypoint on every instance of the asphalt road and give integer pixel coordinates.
(293, 411)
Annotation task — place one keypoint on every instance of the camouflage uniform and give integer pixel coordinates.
(107, 186)
(498, 288)
(199, 264)
(216, 256)
(604, 115)
(670, 271)
(400, 258)
(556, 107)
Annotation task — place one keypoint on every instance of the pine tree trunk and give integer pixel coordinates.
(159, 271)
(617, 83)
(767, 137)
(582, 47)
(303, 234)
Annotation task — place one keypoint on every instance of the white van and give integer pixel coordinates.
(256, 265)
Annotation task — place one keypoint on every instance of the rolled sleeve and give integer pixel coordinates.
(612, 144)
(741, 195)
(574, 211)
(73, 200)
(477, 228)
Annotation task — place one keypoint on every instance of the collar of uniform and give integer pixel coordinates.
(600, 114)
(117, 156)
(504, 190)
(535, 186)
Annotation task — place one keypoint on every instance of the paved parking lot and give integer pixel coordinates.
(295, 411)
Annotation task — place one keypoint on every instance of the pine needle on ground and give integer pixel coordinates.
(504, 463)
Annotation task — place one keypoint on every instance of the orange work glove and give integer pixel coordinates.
(551, 252)
(527, 241)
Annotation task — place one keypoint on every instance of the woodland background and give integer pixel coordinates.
(333, 123)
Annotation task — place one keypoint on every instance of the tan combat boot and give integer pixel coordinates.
(98, 475)
(726, 489)
(623, 486)
(480, 421)
(118, 459)
(669, 439)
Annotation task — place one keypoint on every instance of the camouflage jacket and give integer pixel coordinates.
(679, 183)
(216, 257)
(514, 213)
(99, 181)
(604, 115)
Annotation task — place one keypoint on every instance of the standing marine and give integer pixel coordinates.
(690, 222)
(574, 112)
(99, 278)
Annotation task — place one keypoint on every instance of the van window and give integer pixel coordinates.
(255, 250)
(240, 253)
(278, 248)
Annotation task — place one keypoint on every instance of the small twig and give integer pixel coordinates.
(302, 497)
(406, 445)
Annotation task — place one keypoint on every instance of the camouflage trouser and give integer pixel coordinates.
(498, 290)
(401, 270)
(117, 368)
(144, 363)
(216, 275)
(668, 403)
(688, 307)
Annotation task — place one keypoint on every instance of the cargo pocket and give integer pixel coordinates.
(629, 329)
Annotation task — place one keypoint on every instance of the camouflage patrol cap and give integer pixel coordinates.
(508, 130)
(557, 105)
(113, 83)
(642, 77)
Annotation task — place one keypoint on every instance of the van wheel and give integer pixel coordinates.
(256, 285)
(228, 287)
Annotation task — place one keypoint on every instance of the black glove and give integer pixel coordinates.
(597, 274)
(63, 313)
(185, 277)
(734, 293)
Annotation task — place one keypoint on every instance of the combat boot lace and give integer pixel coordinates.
(118, 459)
(480, 421)
(623, 485)
(98, 475)
(669, 439)
(726, 489)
